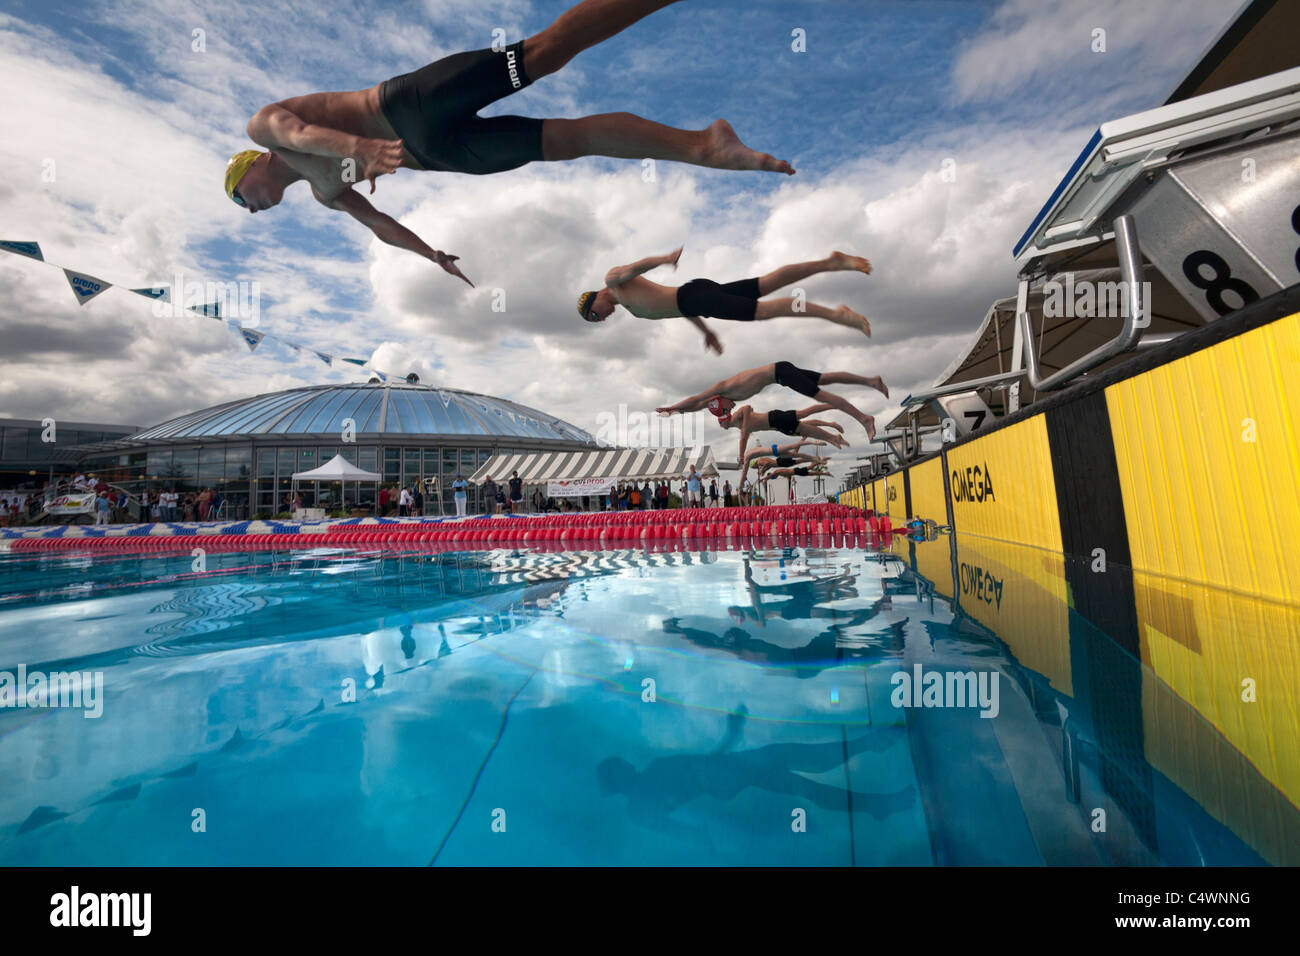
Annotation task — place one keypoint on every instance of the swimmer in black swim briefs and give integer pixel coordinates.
(428, 119)
(802, 471)
(763, 458)
(740, 301)
(789, 422)
(722, 396)
(786, 462)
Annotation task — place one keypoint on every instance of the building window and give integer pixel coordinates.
(212, 465)
(184, 469)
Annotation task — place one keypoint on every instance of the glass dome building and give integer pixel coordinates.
(408, 432)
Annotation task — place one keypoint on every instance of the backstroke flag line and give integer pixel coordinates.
(86, 287)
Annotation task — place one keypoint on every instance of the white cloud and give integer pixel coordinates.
(1045, 48)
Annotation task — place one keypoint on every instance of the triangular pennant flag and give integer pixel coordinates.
(361, 362)
(381, 376)
(155, 292)
(446, 399)
(30, 249)
(211, 309)
(252, 337)
(323, 356)
(85, 287)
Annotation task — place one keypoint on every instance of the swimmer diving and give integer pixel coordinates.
(739, 301)
(427, 120)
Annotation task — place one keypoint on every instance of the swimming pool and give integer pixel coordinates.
(604, 707)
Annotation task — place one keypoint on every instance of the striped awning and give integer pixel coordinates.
(624, 464)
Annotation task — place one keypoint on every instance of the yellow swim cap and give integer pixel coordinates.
(585, 302)
(236, 168)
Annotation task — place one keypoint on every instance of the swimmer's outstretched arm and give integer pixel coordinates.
(744, 440)
(711, 341)
(693, 404)
(620, 274)
(389, 230)
(278, 128)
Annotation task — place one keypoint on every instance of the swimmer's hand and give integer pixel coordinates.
(449, 264)
(711, 341)
(378, 157)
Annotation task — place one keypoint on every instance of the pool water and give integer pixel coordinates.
(615, 707)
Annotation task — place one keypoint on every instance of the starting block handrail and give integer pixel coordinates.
(1135, 322)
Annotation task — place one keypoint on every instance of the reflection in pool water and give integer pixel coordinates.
(509, 707)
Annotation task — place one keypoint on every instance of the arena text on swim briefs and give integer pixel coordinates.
(946, 689)
(75, 908)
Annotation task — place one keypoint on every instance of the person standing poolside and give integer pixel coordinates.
(102, 508)
(458, 492)
(428, 120)
(490, 496)
(726, 494)
(516, 493)
(746, 490)
(694, 487)
(740, 301)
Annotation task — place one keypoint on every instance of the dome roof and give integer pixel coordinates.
(394, 408)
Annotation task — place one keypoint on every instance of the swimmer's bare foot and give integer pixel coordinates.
(869, 423)
(846, 316)
(724, 150)
(878, 384)
(843, 262)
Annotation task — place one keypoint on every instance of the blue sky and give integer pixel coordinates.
(140, 126)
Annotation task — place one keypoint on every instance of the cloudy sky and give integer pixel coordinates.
(119, 118)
